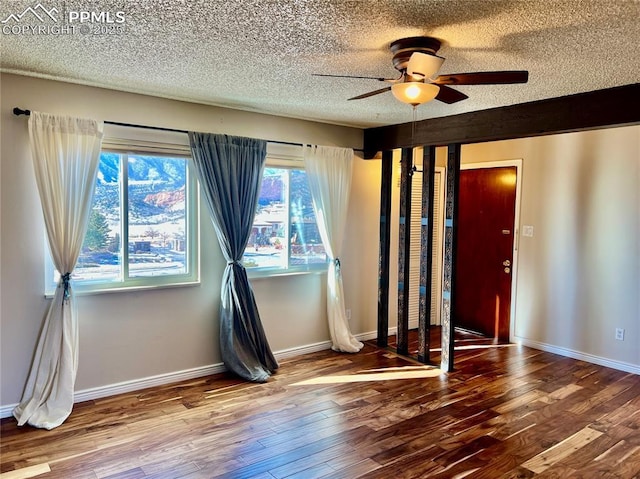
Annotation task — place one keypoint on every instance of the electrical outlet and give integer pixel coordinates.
(620, 334)
(347, 313)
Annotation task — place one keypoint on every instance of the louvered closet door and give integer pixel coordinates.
(414, 266)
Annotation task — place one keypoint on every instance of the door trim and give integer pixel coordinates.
(517, 162)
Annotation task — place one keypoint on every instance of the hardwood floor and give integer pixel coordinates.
(506, 412)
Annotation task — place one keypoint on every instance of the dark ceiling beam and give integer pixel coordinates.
(612, 107)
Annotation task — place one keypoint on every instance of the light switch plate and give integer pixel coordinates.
(527, 230)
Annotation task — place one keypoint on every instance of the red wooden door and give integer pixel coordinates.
(484, 258)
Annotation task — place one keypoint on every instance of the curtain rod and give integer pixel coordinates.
(19, 111)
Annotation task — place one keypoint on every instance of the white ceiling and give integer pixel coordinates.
(260, 55)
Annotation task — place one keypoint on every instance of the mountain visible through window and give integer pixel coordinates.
(285, 234)
(139, 225)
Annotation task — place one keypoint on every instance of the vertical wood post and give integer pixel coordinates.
(404, 246)
(426, 249)
(383, 256)
(450, 245)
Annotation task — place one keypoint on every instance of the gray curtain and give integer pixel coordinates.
(230, 172)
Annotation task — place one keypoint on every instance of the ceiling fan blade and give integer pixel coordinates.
(371, 93)
(351, 76)
(449, 95)
(484, 78)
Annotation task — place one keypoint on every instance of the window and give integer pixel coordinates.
(285, 236)
(142, 229)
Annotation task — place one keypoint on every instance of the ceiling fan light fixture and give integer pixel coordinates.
(423, 65)
(414, 93)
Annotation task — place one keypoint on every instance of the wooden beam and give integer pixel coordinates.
(383, 256)
(426, 249)
(404, 247)
(450, 246)
(612, 107)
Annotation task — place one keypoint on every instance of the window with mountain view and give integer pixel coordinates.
(285, 234)
(141, 230)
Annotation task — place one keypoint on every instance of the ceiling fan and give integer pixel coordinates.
(416, 60)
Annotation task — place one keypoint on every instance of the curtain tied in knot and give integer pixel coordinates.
(66, 155)
(230, 171)
(337, 263)
(66, 278)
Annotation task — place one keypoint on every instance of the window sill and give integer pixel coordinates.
(270, 273)
(79, 291)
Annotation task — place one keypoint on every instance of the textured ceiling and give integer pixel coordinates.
(260, 55)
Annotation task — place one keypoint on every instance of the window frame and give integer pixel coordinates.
(178, 148)
(278, 156)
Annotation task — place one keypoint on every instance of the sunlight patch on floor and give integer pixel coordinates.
(399, 368)
(26, 472)
(386, 374)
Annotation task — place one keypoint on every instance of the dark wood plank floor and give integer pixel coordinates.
(506, 412)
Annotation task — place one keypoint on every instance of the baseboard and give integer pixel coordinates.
(300, 350)
(133, 385)
(148, 382)
(590, 358)
(169, 378)
(391, 331)
(366, 336)
(7, 411)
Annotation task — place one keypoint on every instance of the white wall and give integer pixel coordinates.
(579, 275)
(135, 335)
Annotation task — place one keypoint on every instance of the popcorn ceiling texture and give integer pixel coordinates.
(259, 55)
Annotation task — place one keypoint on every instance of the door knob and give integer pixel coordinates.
(506, 262)
(507, 270)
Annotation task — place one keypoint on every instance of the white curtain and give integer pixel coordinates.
(65, 152)
(329, 174)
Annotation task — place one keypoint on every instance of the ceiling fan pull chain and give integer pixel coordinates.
(413, 125)
(413, 136)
